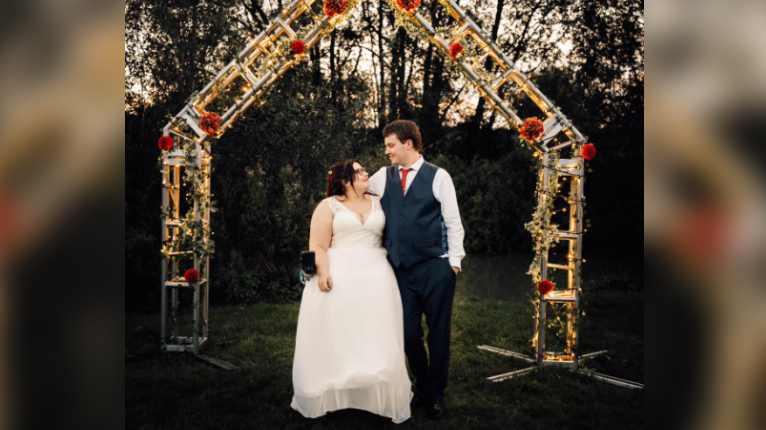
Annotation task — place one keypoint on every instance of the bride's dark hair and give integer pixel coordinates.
(340, 171)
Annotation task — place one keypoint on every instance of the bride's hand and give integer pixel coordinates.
(325, 283)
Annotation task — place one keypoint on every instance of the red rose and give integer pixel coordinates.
(298, 47)
(165, 143)
(532, 129)
(544, 287)
(191, 275)
(408, 5)
(588, 151)
(455, 49)
(334, 7)
(210, 123)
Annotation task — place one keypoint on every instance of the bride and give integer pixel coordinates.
(349, 347)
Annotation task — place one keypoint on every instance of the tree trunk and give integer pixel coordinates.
(489, 65)
(427, 62)
(382, 118)
(397, 60)
(401, 81)
(333, 68)
(426, 74)
(431, 68)
(316, 73)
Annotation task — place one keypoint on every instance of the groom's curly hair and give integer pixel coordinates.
(404, 129)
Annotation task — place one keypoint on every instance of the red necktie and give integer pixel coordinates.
(404, 178)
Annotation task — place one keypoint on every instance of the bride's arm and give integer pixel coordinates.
(319, 241)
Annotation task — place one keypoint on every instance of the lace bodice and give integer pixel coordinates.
(348, 230)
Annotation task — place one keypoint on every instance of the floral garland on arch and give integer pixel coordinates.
(193, 232)
(547, 194)
(284, 48)
(544, 236)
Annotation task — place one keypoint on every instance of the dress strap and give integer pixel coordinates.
(335, 206)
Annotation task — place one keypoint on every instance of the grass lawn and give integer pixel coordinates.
(176, 391)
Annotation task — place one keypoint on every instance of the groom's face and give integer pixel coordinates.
(396, 150)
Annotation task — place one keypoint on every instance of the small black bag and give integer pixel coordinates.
(308, 263)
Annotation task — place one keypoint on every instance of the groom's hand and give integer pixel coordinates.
(456, 270)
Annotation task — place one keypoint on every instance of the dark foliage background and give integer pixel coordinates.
(269, 170)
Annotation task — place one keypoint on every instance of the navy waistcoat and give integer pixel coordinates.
(414, 224)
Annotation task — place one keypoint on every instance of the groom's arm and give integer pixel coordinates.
(378, 182)
(451, 215)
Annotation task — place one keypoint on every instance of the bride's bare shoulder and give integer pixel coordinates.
(323, 204)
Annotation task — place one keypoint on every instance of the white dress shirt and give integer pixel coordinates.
(444, 191)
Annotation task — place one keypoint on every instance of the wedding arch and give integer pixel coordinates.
(187, 160)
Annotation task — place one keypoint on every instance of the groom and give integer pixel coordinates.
(424, 240)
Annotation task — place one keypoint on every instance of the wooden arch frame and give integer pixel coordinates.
(267, 57)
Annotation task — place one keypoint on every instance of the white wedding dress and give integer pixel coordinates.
(349, 347)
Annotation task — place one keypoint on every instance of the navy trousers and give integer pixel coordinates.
(428, 288)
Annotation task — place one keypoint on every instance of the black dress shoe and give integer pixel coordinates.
(435, 409)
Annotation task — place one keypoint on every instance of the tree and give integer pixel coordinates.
(269, 170)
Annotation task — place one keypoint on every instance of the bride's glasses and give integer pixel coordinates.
(360, 171)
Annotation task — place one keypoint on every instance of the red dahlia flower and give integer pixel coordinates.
(455, 49)
(334, 7)
(191, 275)
(165, 143)
(544, 287)
(588, 151)
(210, 123)
(408, 5)
(298, 47)
(532, 129)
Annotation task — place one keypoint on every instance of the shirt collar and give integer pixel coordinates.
(416, 165)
